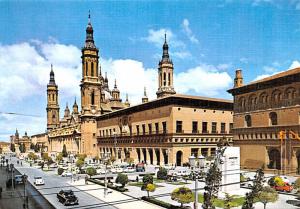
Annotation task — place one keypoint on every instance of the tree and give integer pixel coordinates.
(22, 148)
(266, 195)
(228, 201)
(32, 146)
(150, 188)
(91, 171)
(45, 156)
(297, 184)
(122, 179)
(214, 177)
(147, 179)
(255, 189)
(162, 173)
(64, 151)
(79, 163)
(12, 147)
(183, 195)
(130, 160)
(59, 157)
(97, 158)
(36, 148)
(60, 171)
(112, 159)
(81, 157)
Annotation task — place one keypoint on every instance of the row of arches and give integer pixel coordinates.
(275, 160)
(266, 99)
(273, 119)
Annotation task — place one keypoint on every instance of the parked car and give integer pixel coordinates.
(285, 188)
(285, 179)
(66, 174)
(54, 165)
(38, 180)
(140, 167)
(67, 197)
(19, 179)
(119, 170)
(129, 170)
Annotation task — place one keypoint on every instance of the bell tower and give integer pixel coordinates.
(165, 73)
(90, 82)
(90, 87)
(52, 103)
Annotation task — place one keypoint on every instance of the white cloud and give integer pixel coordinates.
(295, 64)
(204, 80)
(244, 60)
(224, 66)
(157, 37)
(269, 69)
(187, 30)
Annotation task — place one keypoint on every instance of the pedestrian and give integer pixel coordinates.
(0, 192)
(137, 179)
(21, 163)
(86, 180)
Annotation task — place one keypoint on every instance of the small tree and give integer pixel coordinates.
(60, 171)
(228, 201)
(122, 179)
(79, 163)
(297, 184)
(91, 171)
(59, 157)
(150, 188)
(112, 159)
(45, 156)
(81, 157)
(183, 195)
(266, 195)
(256, 188)
(32, 146)
(64, 151)
(147, 179)
(130, 160)
(36, 148)
(97, 158)
(162, 173)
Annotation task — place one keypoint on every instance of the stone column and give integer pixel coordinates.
(148, 156)
(154, 156)
(209, 151)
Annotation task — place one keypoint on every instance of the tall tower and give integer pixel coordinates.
(238, 80)
(90, 87)
(90, 82)
(115, 93)
(52, 103)
(165, 73)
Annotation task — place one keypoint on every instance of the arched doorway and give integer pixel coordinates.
(178, 158)
(151, 156)
(274, 159)
(166, 161)
(139, 154)
(145, 155)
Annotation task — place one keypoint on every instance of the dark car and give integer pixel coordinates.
(9, 183)
(67, 197)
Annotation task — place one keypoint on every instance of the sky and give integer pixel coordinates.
(208, 41)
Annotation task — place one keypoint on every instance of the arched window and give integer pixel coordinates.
(93, 98)
(290, 93)
(165, 82)
(276, 96)
(86, 68)
(169, 79)
(273, 118)
(248, 121)
(92, 69)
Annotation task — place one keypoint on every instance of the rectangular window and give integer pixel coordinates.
(150, 128)
(178, 126)
(213, 127)
(204, 127)
(144, 129)
(164, 124)
(194, 152)
(110, 132)
(156, 128)
(230, 127)
(223, 128)
(137, 130)
(195, 127)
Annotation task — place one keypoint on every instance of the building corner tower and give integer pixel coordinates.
(90, 93)
(52, 103)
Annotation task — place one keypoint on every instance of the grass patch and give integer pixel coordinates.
(237, 201)
(140, 184)
(177, 183)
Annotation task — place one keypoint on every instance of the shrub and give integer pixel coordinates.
(266, 195)
(162, 173)
(81, 157)
(79, 163)
(182, 195)
(297, 183)
(276, 181)
(64, 151)
(242, 178)
(91, 171)
(59, 157)
(122, 179)
(60, 171)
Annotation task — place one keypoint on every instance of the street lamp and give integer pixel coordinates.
(105, 158)
(25, 204)
(196, 163)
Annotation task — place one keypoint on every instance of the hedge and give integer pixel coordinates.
(119, 189)
(160, 203)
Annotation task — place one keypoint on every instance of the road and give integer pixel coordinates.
(53, 184)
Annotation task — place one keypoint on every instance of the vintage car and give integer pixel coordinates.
(67, 197)
(285, 188)
(38, 180)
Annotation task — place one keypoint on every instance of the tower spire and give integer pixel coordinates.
(52, 79)
(165, 56)
(89, 41)
(115, 83)
(145, 98)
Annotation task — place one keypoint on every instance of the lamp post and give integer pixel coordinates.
(104, 158)
(25, 204)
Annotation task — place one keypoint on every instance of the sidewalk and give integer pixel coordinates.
(98, 192)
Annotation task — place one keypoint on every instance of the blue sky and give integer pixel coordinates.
(208, 40)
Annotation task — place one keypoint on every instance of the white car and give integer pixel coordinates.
(285, 179)
(38, 180)
(129, 170)
(119, 170)
(66, 174)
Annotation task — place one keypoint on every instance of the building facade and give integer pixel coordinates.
(18, 140)
(262, 110)
(167, 130)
